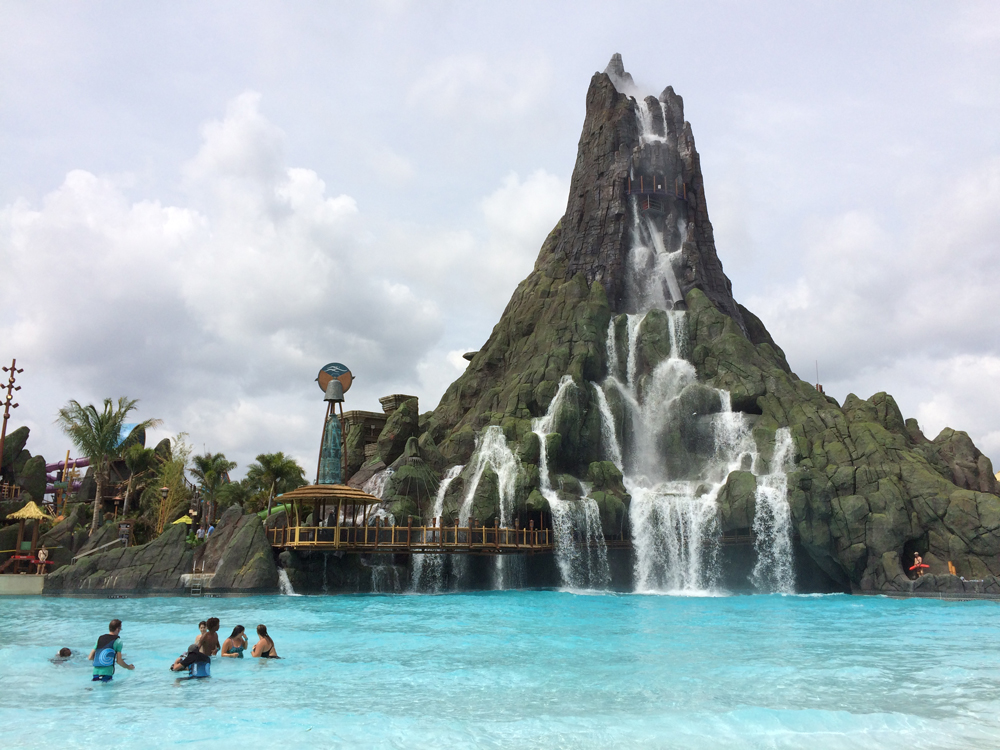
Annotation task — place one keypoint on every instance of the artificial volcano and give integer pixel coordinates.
(625, 396)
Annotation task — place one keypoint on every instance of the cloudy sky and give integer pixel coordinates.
(203, 203)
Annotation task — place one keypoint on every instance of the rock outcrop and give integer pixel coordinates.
(156, 567)
(238, 554)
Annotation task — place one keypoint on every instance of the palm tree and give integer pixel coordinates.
(212, 472)
(234, 493)
(139, 461)
(98, 435)
(275, 474)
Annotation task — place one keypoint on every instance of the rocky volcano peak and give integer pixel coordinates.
(619, 77)
(637, 168)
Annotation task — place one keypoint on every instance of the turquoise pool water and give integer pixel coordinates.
(534, 669)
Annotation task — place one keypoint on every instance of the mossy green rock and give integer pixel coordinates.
(400, 427)
(247, 562)
(411, 489)
(32, 478)
(13, 445)
(738, 501)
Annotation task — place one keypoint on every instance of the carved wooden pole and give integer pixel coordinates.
(7, 405)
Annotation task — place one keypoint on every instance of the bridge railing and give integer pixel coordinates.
(411, 538)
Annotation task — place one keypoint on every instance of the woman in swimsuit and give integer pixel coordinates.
(236, 644)
(264, 648)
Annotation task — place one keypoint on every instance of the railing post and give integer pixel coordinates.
(409, 530)
(378, 522)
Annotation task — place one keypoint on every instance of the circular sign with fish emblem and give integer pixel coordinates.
(337, 371)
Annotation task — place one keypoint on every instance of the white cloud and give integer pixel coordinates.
(217, 313)
(438, 370)
(917, 309)
(392, 166)
(470, 86)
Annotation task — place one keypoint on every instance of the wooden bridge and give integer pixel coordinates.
(449, 540)
(354, 528)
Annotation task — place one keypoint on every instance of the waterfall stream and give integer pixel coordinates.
(492, 451)
(428, 570)
(676, 458)
(772, 523)
(581, 553)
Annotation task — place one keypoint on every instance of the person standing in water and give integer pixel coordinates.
(209, 642)
(202, 631)
(107, 653)
(235, 644)
(264, 648)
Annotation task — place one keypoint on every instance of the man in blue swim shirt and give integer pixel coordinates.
(107, 653)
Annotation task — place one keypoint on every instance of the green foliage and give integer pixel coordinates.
(97, 434)
(141, 463)
(234, 493)
(212, 472)
(273, 474)
(170, 474)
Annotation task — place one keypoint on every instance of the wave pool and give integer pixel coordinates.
(515, 669)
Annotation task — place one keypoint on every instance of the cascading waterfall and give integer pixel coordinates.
(492, 451)
(428, 569)
(673, 512)
(285, 585)
(582, 565)
(375, 485)
(772, 523)
(610, 440)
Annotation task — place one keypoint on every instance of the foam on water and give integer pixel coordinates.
(515, 669)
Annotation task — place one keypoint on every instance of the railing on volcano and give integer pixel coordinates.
(483, 540)
(647, 190)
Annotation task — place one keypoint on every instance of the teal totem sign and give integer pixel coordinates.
(331, 450)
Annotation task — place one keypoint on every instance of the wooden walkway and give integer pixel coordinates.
(450, 540)
(447, 540)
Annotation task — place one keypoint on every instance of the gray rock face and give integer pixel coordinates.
(401, 426)
(153, 567)
(594, 236)
(956, 458)
(247, 560)
(14, 443)
(238, 553)
(738, 501)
